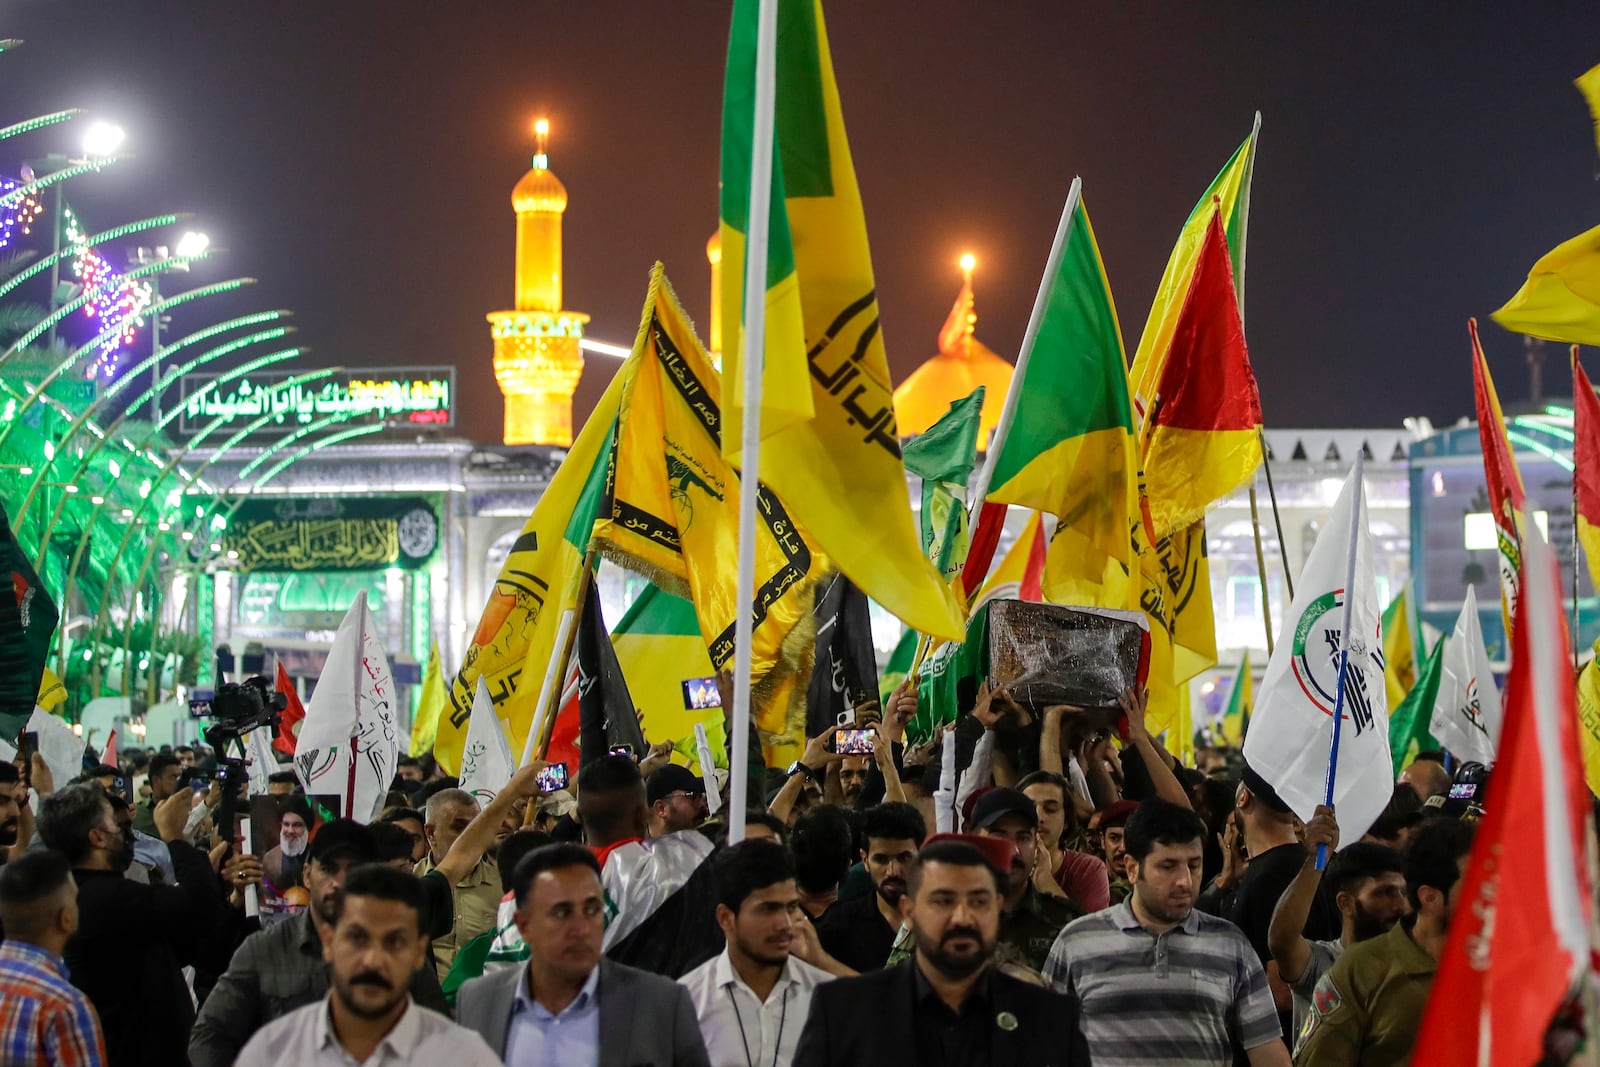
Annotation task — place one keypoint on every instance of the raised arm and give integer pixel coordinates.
(475, 840)
(1288, 945)
(815, 758)
(1134, 704)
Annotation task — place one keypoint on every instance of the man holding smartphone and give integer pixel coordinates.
(164, 772)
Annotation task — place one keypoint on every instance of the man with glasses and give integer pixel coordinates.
(1029, 919)
(677, 799)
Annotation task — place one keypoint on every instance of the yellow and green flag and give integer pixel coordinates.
(1411, 719)
(1241, 700)
(665, 663)
(51, 690)
(1589, 719)
(1066, 443)
(943, 457)
(831, 449)
(1401, 639)
(670, 504)
(431, 703)
(540, 580)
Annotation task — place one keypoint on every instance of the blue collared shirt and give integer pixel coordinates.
(537, 1038)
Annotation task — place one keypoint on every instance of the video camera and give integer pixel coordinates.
(236, 709)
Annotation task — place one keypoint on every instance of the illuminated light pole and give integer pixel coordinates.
(40, 122)
(50, 321)
(191, 246)
(127, 379)
(153, 494)
(105, 335)
(208, 519)
(248, 368)
(77, 170)
(34, 268)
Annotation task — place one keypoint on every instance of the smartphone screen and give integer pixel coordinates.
(853, 742)
(701, 693)
(1463, 791)
(27, 745)
(552, 778)
(622, 750)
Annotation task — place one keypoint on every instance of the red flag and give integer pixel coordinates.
(1518, 947)
(1586, 460)
(980, 553)
(109, 756)
(290, 718)
(1500, 472)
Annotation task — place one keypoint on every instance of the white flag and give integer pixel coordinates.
(1291, 727)
(486, 763)
(61, 748)
(1466, 716)
(348, 744)
(259, 758)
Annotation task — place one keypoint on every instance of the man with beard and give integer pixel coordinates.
(853, 771)
(284, 862)
(1161, 982)
(752, 999)
(1029, 919)
(373, 943)
(860, 932)
(12, 796)
(132, 939)
(282, 967)
(163, 782)
(677, 799)
(1110, 823)
(947, 1005)
(1367, 883)
(1366, 1009)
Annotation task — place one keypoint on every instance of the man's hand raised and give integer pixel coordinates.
(172, 815)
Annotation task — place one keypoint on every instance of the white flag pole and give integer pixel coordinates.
(997, 440)
(355, 695)
(558, 661)
(1358, 503)
(755, 332)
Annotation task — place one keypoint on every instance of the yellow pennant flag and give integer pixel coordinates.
(539, 581)
(1588, 84)
(1560, 301)
(51, 691)
(831, 449)
(671, 505)
(1399, 646)
(430, 705)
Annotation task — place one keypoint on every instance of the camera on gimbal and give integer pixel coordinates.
(244, 706)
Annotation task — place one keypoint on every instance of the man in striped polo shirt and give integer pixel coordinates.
(1159, 982)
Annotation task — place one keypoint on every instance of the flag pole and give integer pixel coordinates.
(355, 695)
(1277, 519)
(1344, 646)
(997, 440)
(558, 660)
(1261, 566)
(755, 335)
(1576, 643)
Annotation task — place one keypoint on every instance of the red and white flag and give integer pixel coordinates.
(290, 718)
(108, 757)
(1519, 945)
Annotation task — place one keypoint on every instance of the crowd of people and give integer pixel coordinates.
(1066, 896)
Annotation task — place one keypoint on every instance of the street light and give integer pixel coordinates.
(102, 139)
(191, 244)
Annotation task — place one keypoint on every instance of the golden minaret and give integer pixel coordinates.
(537, 361)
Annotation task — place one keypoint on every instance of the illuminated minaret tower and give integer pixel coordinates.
(536, 357)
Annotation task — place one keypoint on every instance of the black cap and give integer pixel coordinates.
(673, 778)
(996, 804)
(1262, 791)
(342, 836)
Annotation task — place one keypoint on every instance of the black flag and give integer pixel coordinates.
(846, 670)
(605, 710)
(28, 620)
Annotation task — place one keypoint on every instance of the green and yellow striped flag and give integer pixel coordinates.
(1411, 718)
(1241, 700)
(1065, 442)
(1400, 642)
(831, 448)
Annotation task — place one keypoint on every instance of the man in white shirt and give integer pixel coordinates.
(373, 946)
(752, 999)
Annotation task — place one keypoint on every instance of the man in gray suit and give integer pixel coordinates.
(567, 1005)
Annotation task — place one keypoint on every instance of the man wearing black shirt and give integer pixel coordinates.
(947, 1005)
(860, 932)
(1276, 857)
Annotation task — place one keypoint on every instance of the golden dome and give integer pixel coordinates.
(963, 364)
(539, 191)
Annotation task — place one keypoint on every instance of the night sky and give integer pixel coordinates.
(357, 157)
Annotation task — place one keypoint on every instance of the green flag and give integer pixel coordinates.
(28, 619)
(1409, 723)
(943, 458)
(949, 679)
(1236, 718)
(1065, 443)
(899, 665)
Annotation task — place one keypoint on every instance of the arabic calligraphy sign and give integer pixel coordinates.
(330, 533)
(415, 396)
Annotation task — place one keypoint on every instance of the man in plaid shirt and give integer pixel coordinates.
(43, 1019)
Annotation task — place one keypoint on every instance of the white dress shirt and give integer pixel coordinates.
(536, 1038)
(739, 1029)
(305, 1038)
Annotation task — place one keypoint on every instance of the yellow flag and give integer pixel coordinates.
(430, 705)
(51, 691)
(1399, 646)
(1560, 301)
(1589, 721)
(835, 461)
(1588, 84)
(671, 505)
(538, 582)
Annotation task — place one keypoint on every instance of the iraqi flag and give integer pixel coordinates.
(661, 903)
(349, 744)
(1291, 733)
(1517, 949)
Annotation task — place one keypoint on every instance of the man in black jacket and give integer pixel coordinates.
(132, 939)
(947, 1005)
